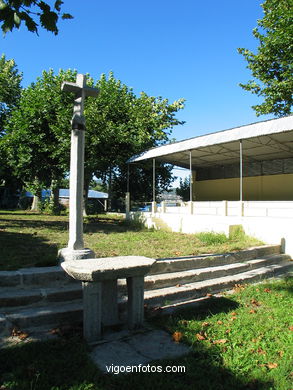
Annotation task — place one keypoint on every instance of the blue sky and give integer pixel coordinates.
(166, 48)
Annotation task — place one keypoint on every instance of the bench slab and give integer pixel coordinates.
(108, 268)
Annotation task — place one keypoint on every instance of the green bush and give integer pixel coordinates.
(211, 238)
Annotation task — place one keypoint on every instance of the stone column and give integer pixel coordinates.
(76, 190)
(75, 249)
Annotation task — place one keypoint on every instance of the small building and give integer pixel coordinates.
(240, 176)
(97, 201)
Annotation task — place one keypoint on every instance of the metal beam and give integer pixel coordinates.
(154, 179)
(241, 170)
(191, 179)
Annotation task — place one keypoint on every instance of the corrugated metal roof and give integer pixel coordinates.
(265, 140)
(64, 193)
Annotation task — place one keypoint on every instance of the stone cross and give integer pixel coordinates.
(75, 249)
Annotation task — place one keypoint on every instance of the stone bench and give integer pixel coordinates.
(100, 297)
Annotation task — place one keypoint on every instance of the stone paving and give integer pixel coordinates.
(137, 348)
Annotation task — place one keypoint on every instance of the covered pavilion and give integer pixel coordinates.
(240, 176)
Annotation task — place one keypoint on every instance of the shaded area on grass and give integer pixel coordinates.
(91, 224)
(106, 235)
(65, 365)
(27, 250)
(251, 332)
(254, 354)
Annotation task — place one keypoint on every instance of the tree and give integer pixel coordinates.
(272, 64)
(37, 142)
(10, 91)
(141, 181)
(119, 124)
(13, 12)
(184, 189)
(10, 88)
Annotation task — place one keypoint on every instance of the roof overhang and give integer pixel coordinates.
(267, 140)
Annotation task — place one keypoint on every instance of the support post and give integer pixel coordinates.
(127, 205)
(225, 208)
(154, 204)
(241, 179)
(154, 179)
(127, 196)
(241, 171)
(191, 178)
(135, 287)
(92, 310)
(110, 302)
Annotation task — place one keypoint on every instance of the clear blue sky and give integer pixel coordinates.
(166, 48)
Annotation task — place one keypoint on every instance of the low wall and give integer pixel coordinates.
(268, 221)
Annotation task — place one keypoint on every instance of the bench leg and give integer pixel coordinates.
(110, 302)
(92, 311)
(135, 287)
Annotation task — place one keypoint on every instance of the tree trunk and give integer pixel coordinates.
(54, 198)
(36, 201)
(109, 203)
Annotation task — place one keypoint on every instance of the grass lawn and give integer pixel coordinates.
(31, 239)
(241, 341)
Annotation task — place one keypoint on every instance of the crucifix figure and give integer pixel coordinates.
(75, 249)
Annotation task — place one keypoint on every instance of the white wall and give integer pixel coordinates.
(271, 222)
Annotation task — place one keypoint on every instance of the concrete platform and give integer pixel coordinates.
(137, 349)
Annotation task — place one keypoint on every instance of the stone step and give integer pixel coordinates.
(204, 261)
(13, 297)
(54, 276)
(37, 296)
(199, 289)
(37, 276)
(194, 275)
(55, 314)
(60, 313)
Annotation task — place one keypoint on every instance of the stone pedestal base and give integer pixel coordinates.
(67, 254)
(100, 300)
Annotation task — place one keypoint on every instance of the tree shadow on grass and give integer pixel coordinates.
(32, 249)
(210, 306)
(100, 225)
(287, 284)
(34, 224)
(65, 364)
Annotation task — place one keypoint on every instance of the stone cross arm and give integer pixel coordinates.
(74, 87)
(79, 87)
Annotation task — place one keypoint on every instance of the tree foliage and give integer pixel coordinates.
(10, 91)
(272, 65)
(10, 88)
(184, 189)
(119, 124)
(13, 12)
(141, 181)
(38, 134)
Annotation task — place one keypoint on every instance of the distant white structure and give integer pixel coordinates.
(241, 176)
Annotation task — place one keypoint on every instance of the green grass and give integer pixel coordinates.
(32, 239)
(241, 341)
